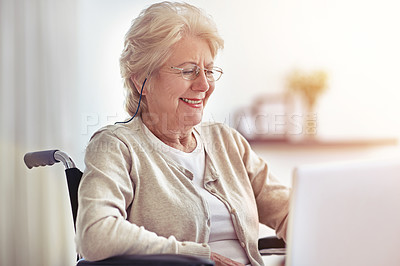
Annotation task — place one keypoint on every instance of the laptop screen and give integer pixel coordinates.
(345, 214)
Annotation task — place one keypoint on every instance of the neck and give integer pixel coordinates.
(180, 138)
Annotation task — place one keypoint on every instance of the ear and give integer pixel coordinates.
(138, 85)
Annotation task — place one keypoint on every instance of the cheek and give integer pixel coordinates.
(175, 89)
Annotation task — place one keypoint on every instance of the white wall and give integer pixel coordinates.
(355, 41)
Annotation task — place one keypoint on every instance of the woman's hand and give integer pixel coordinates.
(223, 261)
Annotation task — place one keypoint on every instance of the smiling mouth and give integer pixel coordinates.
(191, 101)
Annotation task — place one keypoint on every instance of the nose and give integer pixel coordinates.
(201, 83)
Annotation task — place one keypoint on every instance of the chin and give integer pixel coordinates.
(192, 120)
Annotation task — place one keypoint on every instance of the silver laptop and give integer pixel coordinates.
(345, 214)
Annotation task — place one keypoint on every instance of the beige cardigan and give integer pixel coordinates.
(134, 200)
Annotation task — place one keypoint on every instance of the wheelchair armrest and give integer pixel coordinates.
(153, 259)
(271, 246)
(271, 242)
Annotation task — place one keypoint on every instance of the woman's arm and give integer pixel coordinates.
(223, 261)
(272, 198)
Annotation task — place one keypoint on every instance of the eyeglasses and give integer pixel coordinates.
(192, 71)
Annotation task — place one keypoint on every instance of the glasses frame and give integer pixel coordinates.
(217, 69)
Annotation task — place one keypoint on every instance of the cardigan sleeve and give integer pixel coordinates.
(272, 198)
(105, 193)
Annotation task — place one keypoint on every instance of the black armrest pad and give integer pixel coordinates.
(271, 242)
(154, 259)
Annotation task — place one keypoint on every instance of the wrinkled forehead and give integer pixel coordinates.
(191, 50)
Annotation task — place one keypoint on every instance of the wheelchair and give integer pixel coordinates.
(267, 246)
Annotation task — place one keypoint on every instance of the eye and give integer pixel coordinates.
(188, 71)
(209, 72)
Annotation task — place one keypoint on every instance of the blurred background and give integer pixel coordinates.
(59, 77)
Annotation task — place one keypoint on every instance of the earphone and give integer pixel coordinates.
(137, 109)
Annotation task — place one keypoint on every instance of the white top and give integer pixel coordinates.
(222, 239)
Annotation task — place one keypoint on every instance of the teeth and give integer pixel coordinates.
(191, 101)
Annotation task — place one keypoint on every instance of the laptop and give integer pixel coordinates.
(345, 214)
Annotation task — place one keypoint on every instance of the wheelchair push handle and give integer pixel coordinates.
(47, 158)
(40, 158)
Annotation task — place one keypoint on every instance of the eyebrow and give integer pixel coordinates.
(194, 63)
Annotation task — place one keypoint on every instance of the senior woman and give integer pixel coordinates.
(163, 182)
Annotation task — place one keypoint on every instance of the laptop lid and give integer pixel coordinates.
(345, 214)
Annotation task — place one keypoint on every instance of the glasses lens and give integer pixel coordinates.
(214, 74)
(190, 73)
